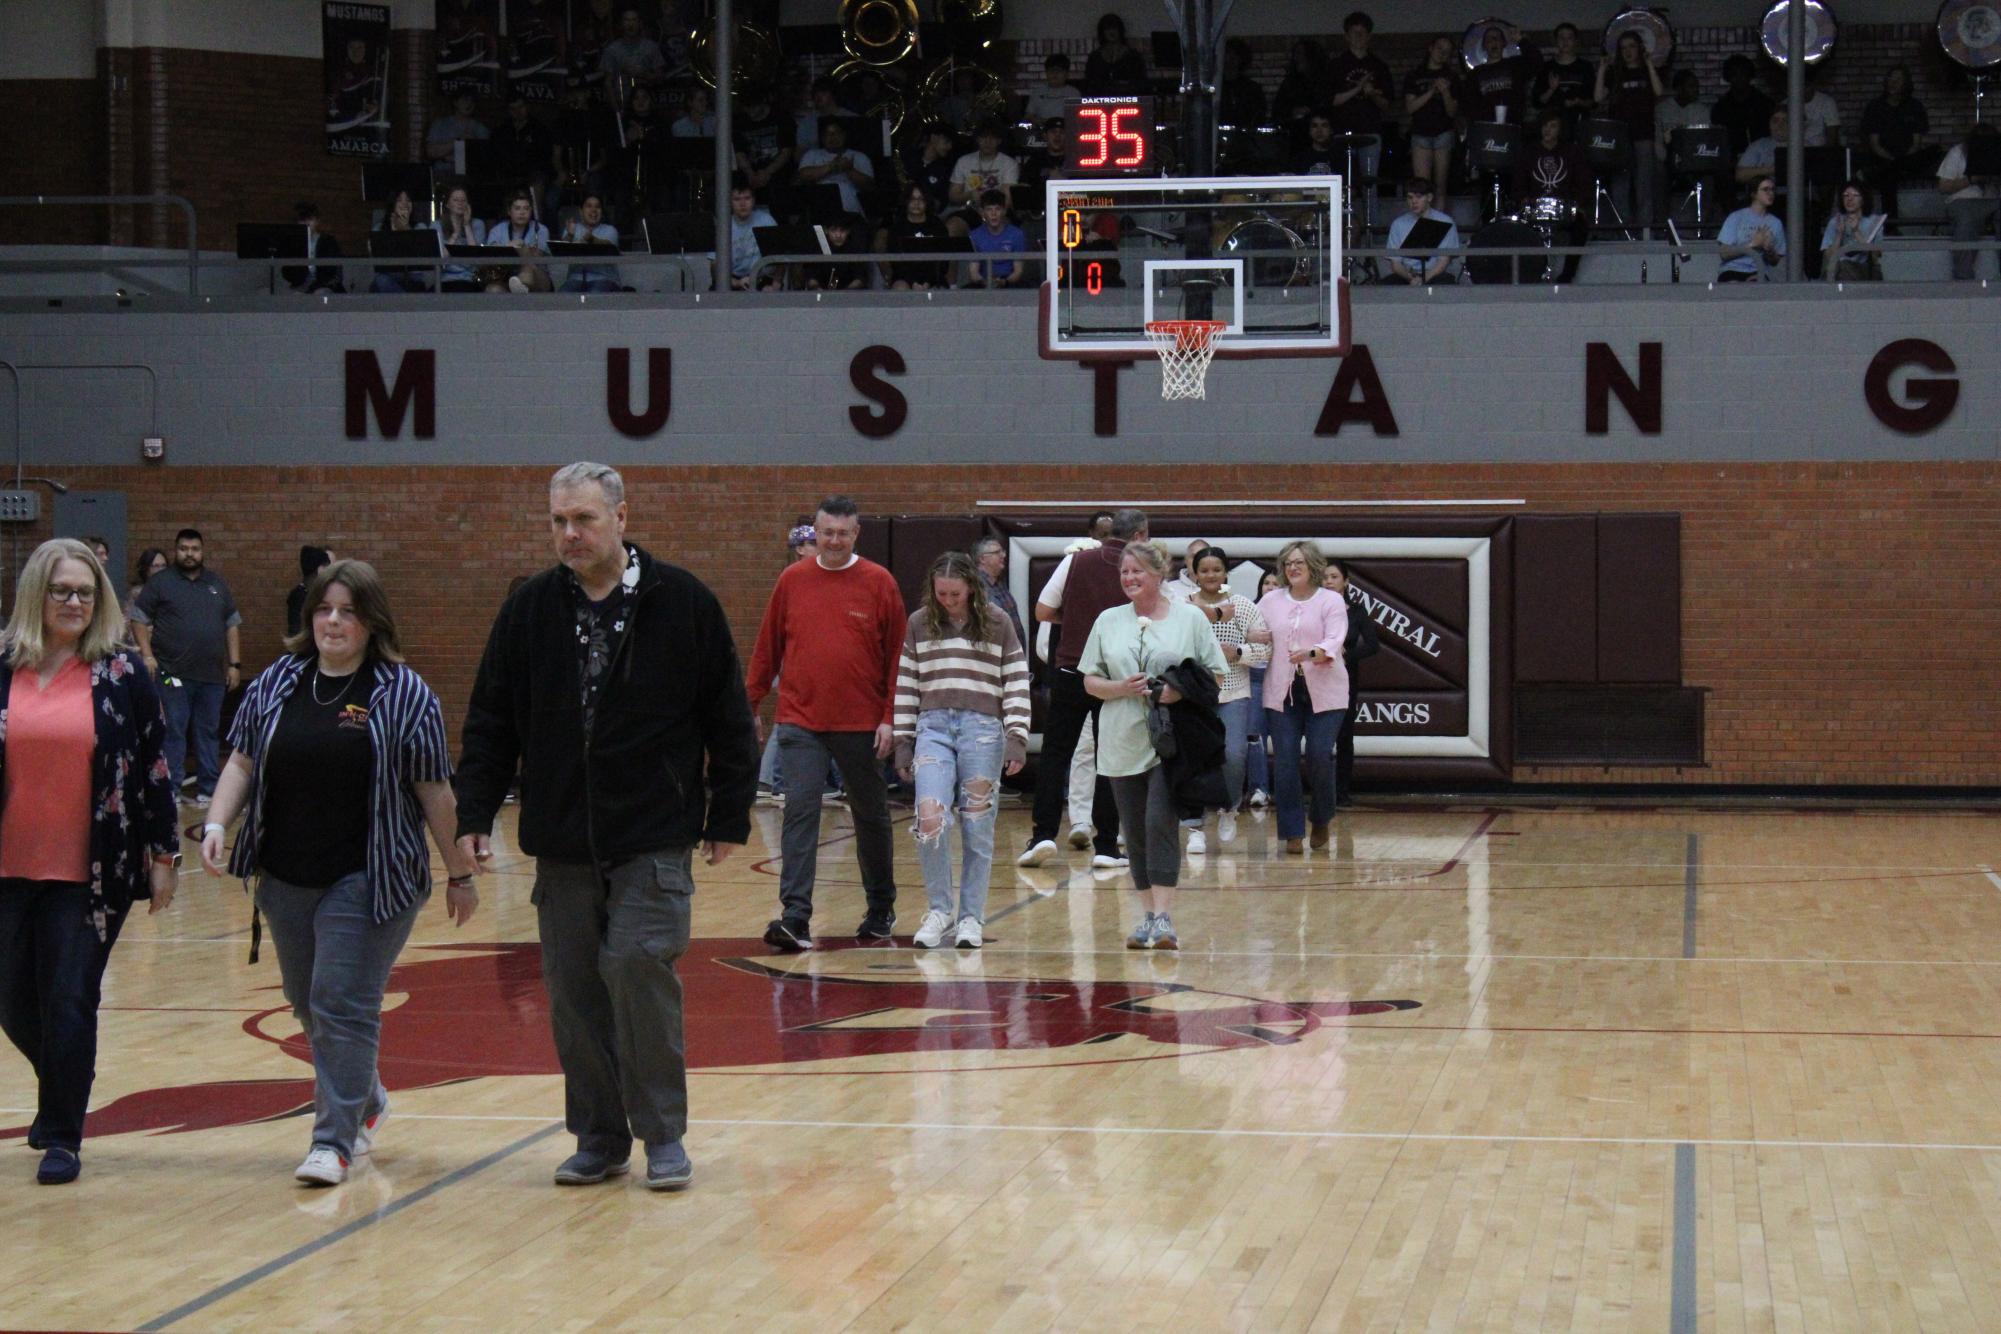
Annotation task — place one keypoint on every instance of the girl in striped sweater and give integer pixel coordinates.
(960, 721)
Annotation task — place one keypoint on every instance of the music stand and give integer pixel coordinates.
(680, 234)
(1608, 147)
(418, 243)
(785, 240)
(271, 241)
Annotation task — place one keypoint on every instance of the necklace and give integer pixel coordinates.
(328, 703)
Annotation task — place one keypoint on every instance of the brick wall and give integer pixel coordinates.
(1844, 616)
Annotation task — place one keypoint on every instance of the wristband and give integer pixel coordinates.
(212, 826)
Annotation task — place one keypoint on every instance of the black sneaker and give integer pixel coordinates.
(59, 1168)
(789, 934)
(880, 924)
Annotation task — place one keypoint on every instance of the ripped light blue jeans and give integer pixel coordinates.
(956, 769)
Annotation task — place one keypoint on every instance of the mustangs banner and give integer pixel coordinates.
(469, 47)
(537, 49)
(354, 41)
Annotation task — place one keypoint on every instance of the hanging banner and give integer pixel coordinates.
(469, 47)
(354, 47)
(537, 47)
(659, 45)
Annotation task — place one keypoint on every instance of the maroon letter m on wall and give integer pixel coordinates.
(416, 379)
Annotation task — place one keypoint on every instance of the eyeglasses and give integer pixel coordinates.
(60, 593)
(1295, 565)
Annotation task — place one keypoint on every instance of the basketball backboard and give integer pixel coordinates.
(1262, 254)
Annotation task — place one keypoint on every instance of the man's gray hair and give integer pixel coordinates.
(986, 544)
(577, 474)
(1128, 524)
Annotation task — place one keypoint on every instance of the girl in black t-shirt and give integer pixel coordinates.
(1431, 96)
(1628, 88)
(910, 230)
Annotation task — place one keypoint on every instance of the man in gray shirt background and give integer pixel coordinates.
(186, 622)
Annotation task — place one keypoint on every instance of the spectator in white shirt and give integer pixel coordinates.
(696, 121)
(1970, 201)
(745, 218)
(834, 163)
(1056, 94)
(589, 225)
(441, 140)
(530, 240)
(826, 105)
(986, 169)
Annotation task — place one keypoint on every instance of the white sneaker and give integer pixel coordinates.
(371, 1126)
(323, 1167)
(971, 936)
(1081, 836)
(516, 286)
(1259, 800)
(1198, 844)
(931, 934)
(1226, 827)
(1038, 852)
(1104, 861)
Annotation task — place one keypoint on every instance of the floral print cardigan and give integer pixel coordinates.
(132, 799)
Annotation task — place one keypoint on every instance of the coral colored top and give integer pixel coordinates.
(51, 740)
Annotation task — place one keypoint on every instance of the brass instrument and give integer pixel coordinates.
(878, 32)
(891, 104)
(989, 100)
(754, 55)
(970, 25)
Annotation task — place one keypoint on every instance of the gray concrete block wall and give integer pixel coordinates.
(1472, 376)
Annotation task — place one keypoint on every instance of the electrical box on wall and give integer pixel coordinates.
(153, 447)
(20, 506)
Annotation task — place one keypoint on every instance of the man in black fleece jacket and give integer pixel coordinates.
(612, 683)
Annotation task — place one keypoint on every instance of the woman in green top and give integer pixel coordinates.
(1129, 647)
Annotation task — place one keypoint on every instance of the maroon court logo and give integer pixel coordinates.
(479, 1011)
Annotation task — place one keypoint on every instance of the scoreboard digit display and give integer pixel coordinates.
(1111, 136)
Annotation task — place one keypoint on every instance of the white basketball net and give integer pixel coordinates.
(1186, 347)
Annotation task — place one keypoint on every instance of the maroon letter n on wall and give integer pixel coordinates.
(416, 378)
(618, 391)
(1604, 377)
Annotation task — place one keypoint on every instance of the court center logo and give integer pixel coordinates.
(479, 1011)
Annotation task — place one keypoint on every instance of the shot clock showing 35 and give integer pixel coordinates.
(1111, 136)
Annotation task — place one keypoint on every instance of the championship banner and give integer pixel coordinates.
(469, 47)
(354, 45)
(537, 47)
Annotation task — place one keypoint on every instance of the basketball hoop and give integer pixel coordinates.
(1185, 348)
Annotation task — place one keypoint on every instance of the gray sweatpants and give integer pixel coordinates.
(1153, 830)
(610, 939)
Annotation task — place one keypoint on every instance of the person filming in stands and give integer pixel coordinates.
(1306, 689)
(1129, 650)
(961, 722)
(610, 686)
(86, 827)
(1753, 240)
(1848, 244)
(1431, 96)
(340, 764)
(1417, 208)
(832, 637)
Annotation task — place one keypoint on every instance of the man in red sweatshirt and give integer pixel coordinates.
(832, 637)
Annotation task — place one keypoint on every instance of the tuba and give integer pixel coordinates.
(989, 100)
(754, 56)
(878, 32)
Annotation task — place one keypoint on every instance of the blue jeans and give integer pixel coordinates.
(192, 706)
(589, 280)
(1257, 773)
(1236, 716)
(1288, 726)
(334, 961)
(957, 768)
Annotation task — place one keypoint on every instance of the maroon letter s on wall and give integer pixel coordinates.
(1931, 401)
(865, 372)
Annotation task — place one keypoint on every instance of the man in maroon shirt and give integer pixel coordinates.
(1085, 584)
(832, 637)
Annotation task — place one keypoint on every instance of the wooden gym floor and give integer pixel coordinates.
(1660, 1068)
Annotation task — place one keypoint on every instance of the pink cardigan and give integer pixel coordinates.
(1319, 622)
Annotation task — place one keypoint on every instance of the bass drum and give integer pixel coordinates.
(1820, 29)
(1655, 33)
(1278, 256)
(1970, 32)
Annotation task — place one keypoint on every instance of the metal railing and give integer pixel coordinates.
(194, 260)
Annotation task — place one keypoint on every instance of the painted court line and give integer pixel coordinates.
(1691, 866)
(318, 1244)
(1186, 953)
(1993, 879)
(1681, 1290)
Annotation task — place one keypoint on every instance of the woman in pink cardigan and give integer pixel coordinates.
(1306, 688)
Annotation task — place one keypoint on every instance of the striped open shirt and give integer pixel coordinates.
(406, 730)
(990, 677)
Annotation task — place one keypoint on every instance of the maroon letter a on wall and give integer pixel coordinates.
(416, 378)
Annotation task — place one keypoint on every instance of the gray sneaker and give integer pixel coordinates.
(1163, 934)
(1142, 936)
(587, 1167)
(667, 1167)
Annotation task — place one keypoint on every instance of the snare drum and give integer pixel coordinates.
(1820, 28)
(1970, 32)
(1654, 31)
(1547, 212)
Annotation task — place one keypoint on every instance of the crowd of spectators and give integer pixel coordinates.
(627, 162)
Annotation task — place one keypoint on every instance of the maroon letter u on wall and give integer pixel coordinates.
(416, 380)
(618, 391)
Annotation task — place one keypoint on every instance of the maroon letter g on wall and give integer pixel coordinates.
(1929, 402)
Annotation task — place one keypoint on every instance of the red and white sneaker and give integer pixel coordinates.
(371, 1126)
(323, 1167)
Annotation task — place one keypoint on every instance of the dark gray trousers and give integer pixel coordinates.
(802, 756)
(610, 939)
(1153, 828)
